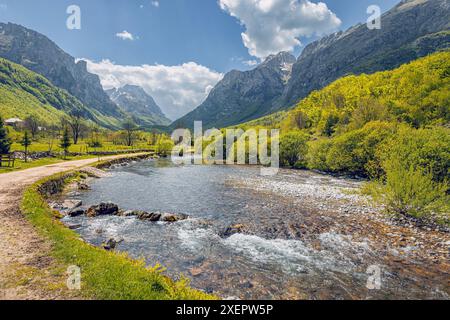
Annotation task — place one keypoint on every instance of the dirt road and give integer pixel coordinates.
(27, 270)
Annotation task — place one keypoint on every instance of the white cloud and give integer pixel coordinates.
(177, 89)
(250, 63)
(276, 25)
(125, 35)
(155, 4)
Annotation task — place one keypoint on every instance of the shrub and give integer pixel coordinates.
(317, 154)
(355, 152)
(164, 146)
(5, 141)
(428, 149)
(410, 191)
(293, 149)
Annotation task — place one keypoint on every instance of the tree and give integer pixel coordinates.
(130, 128)
(294, 148)
(5, 141)
(164, 146)
(75, 122)
(52, 133)
(26, 142)
(32, 125)
(65, 142)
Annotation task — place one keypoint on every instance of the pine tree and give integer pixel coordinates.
(65, 142)
(26, 142)
(5, 141)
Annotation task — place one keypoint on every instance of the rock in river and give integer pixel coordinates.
(103, 209)
(111, 244)
(76, 212)
(83, 186)
(173, 217)
(231, 230)
(148, 216)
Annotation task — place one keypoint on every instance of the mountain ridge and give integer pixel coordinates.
(134, 100)
(243, 95)
(40, 54)
(410, 30)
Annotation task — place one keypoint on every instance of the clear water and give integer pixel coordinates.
(269, 261)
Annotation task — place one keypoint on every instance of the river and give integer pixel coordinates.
(304, 235)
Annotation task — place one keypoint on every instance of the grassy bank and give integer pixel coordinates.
(104, 275)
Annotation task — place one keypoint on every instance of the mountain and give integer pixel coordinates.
(25, 93)
(39, 54)
(412, 29)
(416, 93)
(134, 100)
(242, 96)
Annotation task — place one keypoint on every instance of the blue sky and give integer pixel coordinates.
(170, 33)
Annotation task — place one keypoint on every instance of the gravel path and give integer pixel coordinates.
(27, 270)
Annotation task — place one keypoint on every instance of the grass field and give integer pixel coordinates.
(81, 147)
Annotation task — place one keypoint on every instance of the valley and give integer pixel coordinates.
(95, 175)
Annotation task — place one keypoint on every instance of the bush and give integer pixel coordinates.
(293, 149)
(94, 144)
(317, 154)
(355, 152)
(428, 149)
(410, 191)
(164, 146)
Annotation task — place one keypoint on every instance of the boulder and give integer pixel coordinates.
(74, 226)
(103, 209)
(76, 212)
(71, 204)
(173, 217)
(83, 186)
(149, 216)
(111, 244)
(231, 230)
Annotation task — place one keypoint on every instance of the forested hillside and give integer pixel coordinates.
(24, 93)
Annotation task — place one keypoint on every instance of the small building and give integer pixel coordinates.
(14, 122)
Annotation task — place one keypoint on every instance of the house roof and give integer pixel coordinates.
(13, 120)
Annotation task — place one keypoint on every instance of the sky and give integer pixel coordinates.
(177, 50)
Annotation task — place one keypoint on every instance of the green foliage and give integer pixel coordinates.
(416, 93)
(26, 142)
(390, 126)
(354, 152)
(65, 141)
(24, 93)
(293, 149)
(5, 141)
(424, 149)
(317, 154)
(164, 146)
(410, 191)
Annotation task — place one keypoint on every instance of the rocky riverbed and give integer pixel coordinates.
(297, 235)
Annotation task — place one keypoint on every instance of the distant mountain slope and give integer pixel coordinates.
(417, 93)
(39, 54)
(412, 29)
(134, 100)
(242, 96)
(24, 93)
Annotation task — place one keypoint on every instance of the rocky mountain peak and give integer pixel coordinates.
(134, 100)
